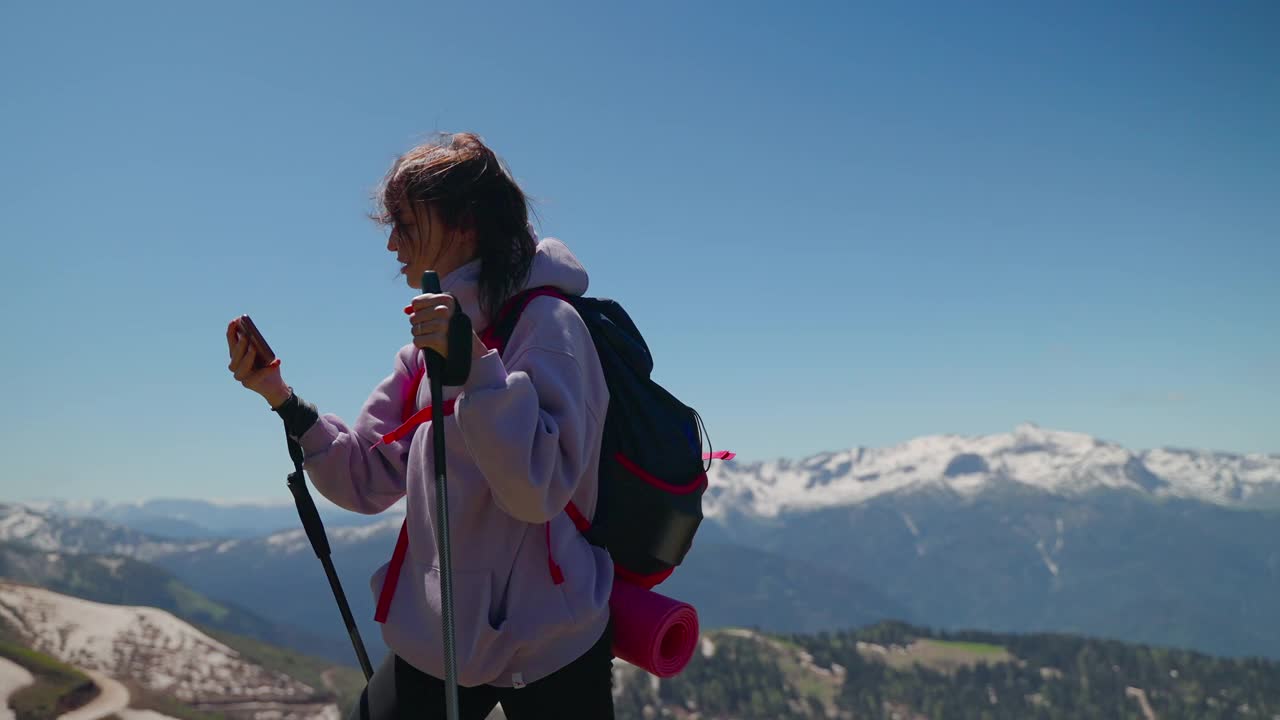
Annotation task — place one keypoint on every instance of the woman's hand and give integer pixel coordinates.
(266, 381)
(429, 324)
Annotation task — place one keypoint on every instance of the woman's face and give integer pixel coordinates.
(419, 241)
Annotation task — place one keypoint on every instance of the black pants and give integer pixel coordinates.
(582, 690)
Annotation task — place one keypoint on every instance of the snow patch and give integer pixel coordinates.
(911, 525)
(364, 532)
(708, 647)
(110, 563)
(1048, 561)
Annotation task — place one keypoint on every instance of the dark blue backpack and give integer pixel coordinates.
(653, 470)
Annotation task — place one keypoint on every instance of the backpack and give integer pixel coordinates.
(653, 471)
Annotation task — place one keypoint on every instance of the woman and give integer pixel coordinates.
(531, 594)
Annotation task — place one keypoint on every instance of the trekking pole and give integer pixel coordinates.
(435, 371)
(320, 544)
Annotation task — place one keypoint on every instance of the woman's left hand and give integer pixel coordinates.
(429, 324)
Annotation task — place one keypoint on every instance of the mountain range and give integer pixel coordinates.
(186, 519)
(278, 578)
(122, 580)
(1032, 530)
(1064, 464)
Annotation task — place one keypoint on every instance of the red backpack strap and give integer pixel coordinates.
(499, 331)
(645, 581)
(580, 521)
(393, 574)
(412, 423)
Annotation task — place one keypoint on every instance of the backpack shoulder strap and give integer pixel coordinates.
(499, 331)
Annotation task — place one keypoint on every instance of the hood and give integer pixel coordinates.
(553, 265)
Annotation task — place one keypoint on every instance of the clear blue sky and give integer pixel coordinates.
(846, 224)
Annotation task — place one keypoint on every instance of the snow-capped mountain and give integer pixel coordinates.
(155, 650)
(56, 532)
(187, 519)
(1057, 462)
(1060, 463)
(251, 572)
(44, 531)
(289, 542)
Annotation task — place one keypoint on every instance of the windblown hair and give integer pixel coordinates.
(459, 178)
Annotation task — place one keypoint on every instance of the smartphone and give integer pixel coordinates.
(264, 356)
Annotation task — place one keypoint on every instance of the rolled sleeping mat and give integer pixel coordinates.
(652, 631)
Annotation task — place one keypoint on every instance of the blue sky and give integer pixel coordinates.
(838, 224)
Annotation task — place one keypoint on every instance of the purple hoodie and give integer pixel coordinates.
(524, 440)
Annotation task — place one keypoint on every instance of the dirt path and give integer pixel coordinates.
(13, 677)
(1141, 696)
(113, 698)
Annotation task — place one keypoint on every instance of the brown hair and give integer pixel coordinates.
(459, 177)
